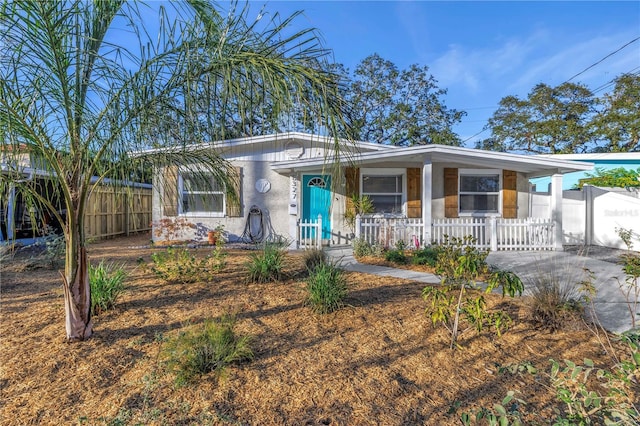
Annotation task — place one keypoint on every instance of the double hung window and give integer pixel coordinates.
(202, 194)
(479, 191)
(385, 190)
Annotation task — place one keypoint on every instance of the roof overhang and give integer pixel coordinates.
(224, 145)
(530, 165)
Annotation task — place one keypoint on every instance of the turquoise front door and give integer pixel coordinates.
(316, 200)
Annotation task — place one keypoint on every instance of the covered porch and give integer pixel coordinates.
(455, 191)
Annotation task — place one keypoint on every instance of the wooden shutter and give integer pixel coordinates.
(450, 192)
(414, 192)
(352, 178)
(234, 194)
(170, 197)
(509, 194)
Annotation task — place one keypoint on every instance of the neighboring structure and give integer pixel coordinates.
(112, 210)
(605, 161)
(292, 179)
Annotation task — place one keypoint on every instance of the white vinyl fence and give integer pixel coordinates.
(593, 215)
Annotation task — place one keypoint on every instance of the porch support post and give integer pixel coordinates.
(427, 184)
(556, 210)
(11, 213)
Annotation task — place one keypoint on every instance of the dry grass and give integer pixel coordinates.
(377, 361)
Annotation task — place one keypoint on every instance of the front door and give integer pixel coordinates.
(316, 200)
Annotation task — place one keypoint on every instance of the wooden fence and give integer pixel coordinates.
(117, 211)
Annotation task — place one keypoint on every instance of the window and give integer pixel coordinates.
(201, 195)
(385, 189)
(479, 191)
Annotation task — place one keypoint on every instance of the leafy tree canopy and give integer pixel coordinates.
(612, 178)
(568, 119)
(398, 107)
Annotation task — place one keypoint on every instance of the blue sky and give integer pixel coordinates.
(481, 51)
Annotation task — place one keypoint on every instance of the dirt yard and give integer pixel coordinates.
(378, 361)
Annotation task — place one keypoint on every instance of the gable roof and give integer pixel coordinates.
(528, 164)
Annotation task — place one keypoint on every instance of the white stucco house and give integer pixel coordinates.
(289, 180)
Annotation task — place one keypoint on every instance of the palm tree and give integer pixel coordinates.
(83, 84)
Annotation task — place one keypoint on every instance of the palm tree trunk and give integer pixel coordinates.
(77, 290)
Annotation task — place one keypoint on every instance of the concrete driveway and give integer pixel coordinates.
(565, 267)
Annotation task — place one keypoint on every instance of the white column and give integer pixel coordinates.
(427, 184)
(556, 210)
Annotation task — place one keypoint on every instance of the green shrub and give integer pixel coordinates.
(326, 287)
(314, 258)
(554, 303)
(361, 247)
(425, 256)
(460, 265)
(395, 256)
(267, 265)
(179, 265)
(107, 283)
(207, 348)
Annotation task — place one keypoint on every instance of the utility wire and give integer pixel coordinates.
(609, 55)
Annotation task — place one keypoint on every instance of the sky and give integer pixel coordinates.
(481, 51)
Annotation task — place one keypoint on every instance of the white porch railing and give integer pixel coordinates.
(310, 234)
(489, 233)
(388, 230)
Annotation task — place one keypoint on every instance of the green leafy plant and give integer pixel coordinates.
(267, 265)
(326, 288)
(630, 287)
(205, 348)
(107, 283)
(505, 413)
(360, 204)
(460, 264)
(396, 256)
(609, 401)
(362, 247)
(180, 265)
(425, 256)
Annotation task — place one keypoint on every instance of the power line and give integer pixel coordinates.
(610, 54)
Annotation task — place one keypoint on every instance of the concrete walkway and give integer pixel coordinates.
(610, 304)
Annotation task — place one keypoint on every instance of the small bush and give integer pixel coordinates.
(208, 348)
(314, 258)
(425, 256)
(362, 247)
(267, 265)
(326, 287)
(107, 283)
(179, 265)
(54, 248)
(396, 256)
(554, 304)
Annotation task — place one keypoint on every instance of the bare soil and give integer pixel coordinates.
(378, 361)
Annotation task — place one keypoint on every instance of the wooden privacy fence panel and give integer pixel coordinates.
(117, 211)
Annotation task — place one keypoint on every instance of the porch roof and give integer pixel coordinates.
(530, 165)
